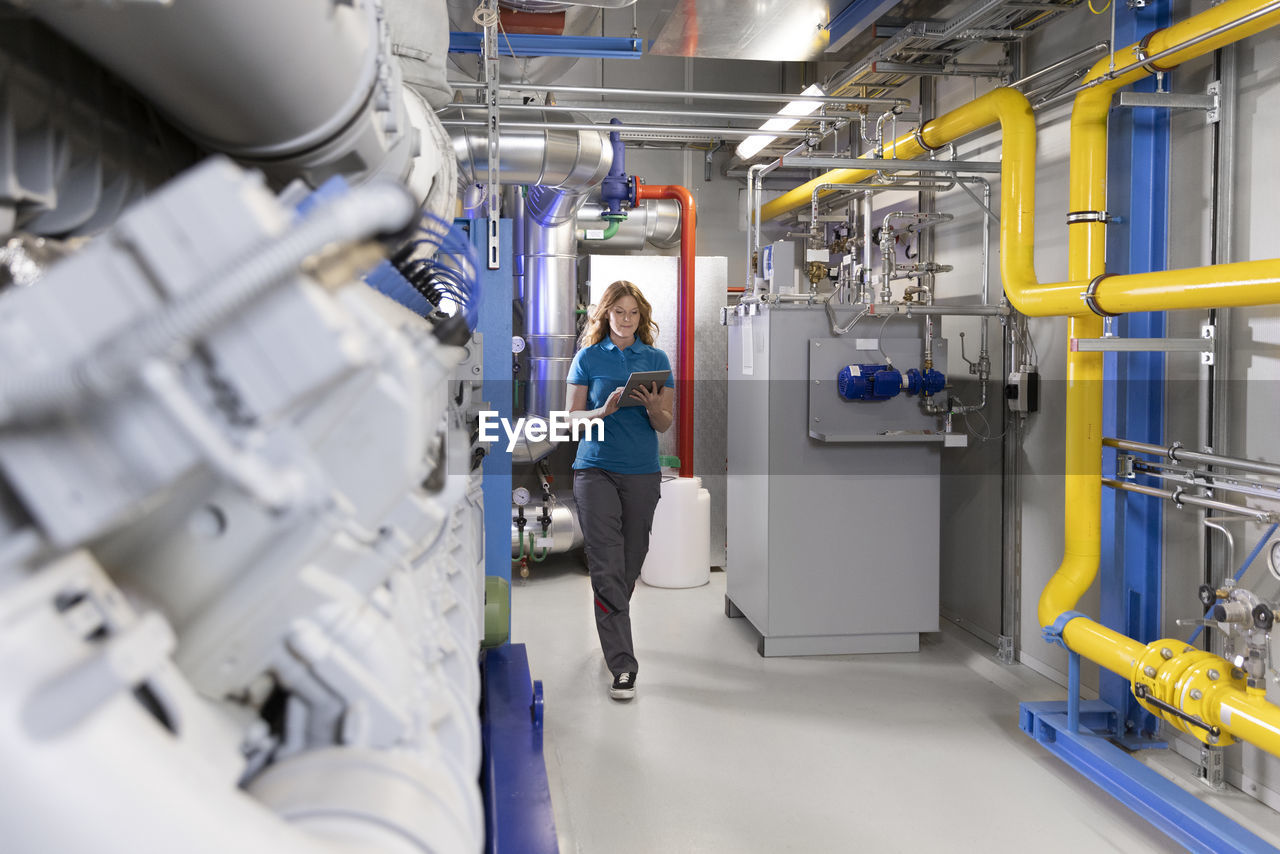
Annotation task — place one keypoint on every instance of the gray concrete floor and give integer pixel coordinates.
(724, 751)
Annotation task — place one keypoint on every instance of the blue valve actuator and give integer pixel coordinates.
(925, 382)
(616, 186)
(868, 382)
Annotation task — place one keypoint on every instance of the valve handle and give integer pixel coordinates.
(1207, 595)
(973, 366)
(1263, 617)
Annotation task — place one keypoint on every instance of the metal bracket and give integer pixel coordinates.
(1170, 100)
(491, 79)
(1214, 113)
(1212, 770)
(1005, 651)
(1203, 346)
(1124, 467)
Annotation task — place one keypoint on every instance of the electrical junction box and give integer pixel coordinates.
(1023, 390)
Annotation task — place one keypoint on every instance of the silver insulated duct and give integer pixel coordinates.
(560, 167)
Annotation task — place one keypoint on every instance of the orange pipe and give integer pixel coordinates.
(685, 315)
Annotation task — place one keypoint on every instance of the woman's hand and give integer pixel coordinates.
(657, 405)
(650, 396)
(611, 403)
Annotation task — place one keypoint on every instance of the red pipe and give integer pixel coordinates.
(685, 315)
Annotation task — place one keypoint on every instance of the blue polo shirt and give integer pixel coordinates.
(630, 443)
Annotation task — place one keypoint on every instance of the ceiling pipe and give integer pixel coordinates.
(684, 311)
(295, 88)
(655, 222)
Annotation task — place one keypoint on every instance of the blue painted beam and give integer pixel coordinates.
(1183, 817)
(517, 796)
(494, 325)
(528, 44)
(1137, 242)
(852, 19)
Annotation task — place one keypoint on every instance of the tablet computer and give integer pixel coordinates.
(639, 378)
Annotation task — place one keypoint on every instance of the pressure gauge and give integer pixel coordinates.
(517, 344)
(520, 496)
(1273, 558)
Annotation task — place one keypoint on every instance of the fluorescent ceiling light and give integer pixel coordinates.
(752, 145)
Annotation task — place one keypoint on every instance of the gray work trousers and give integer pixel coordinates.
(616, 511)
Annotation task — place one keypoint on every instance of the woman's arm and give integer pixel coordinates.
(657, 405)
(576, 403)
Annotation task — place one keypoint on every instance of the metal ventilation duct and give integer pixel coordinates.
(560, 167)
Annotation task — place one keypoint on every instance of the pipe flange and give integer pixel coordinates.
(919, 138)
(1075, 217)
(1090, 296)
(1140, 51)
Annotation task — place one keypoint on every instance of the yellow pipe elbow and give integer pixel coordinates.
(1007, 106)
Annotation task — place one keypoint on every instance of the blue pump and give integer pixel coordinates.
(868, 382)
(882, 382)
(925, 382)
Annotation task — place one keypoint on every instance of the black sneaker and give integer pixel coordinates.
(623, 687)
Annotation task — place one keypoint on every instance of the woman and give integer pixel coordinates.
(616, 480)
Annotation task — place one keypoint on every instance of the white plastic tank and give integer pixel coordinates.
(680, 543)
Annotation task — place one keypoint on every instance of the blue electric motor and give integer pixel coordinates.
(868, 382)
(925, 382)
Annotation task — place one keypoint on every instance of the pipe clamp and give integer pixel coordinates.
(1090, 296)
(919, 138)
(1053, 633)
(1140, 52)
(1075, 217)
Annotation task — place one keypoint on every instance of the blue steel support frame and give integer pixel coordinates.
(1138, 195)
(517, 796)
(1186, 819)
(494, 324)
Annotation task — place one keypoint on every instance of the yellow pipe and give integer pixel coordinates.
(1258, 284)
(1249, 717)
(1087, 246)
(1242, 713)
(1224, 286)
(1224, 702)
(1103, 646)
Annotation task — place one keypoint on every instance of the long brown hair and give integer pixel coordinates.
(598, 323)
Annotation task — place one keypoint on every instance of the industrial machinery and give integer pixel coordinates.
(251, 541)
(242, 587)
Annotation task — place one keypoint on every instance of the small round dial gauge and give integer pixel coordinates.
(520, 496)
